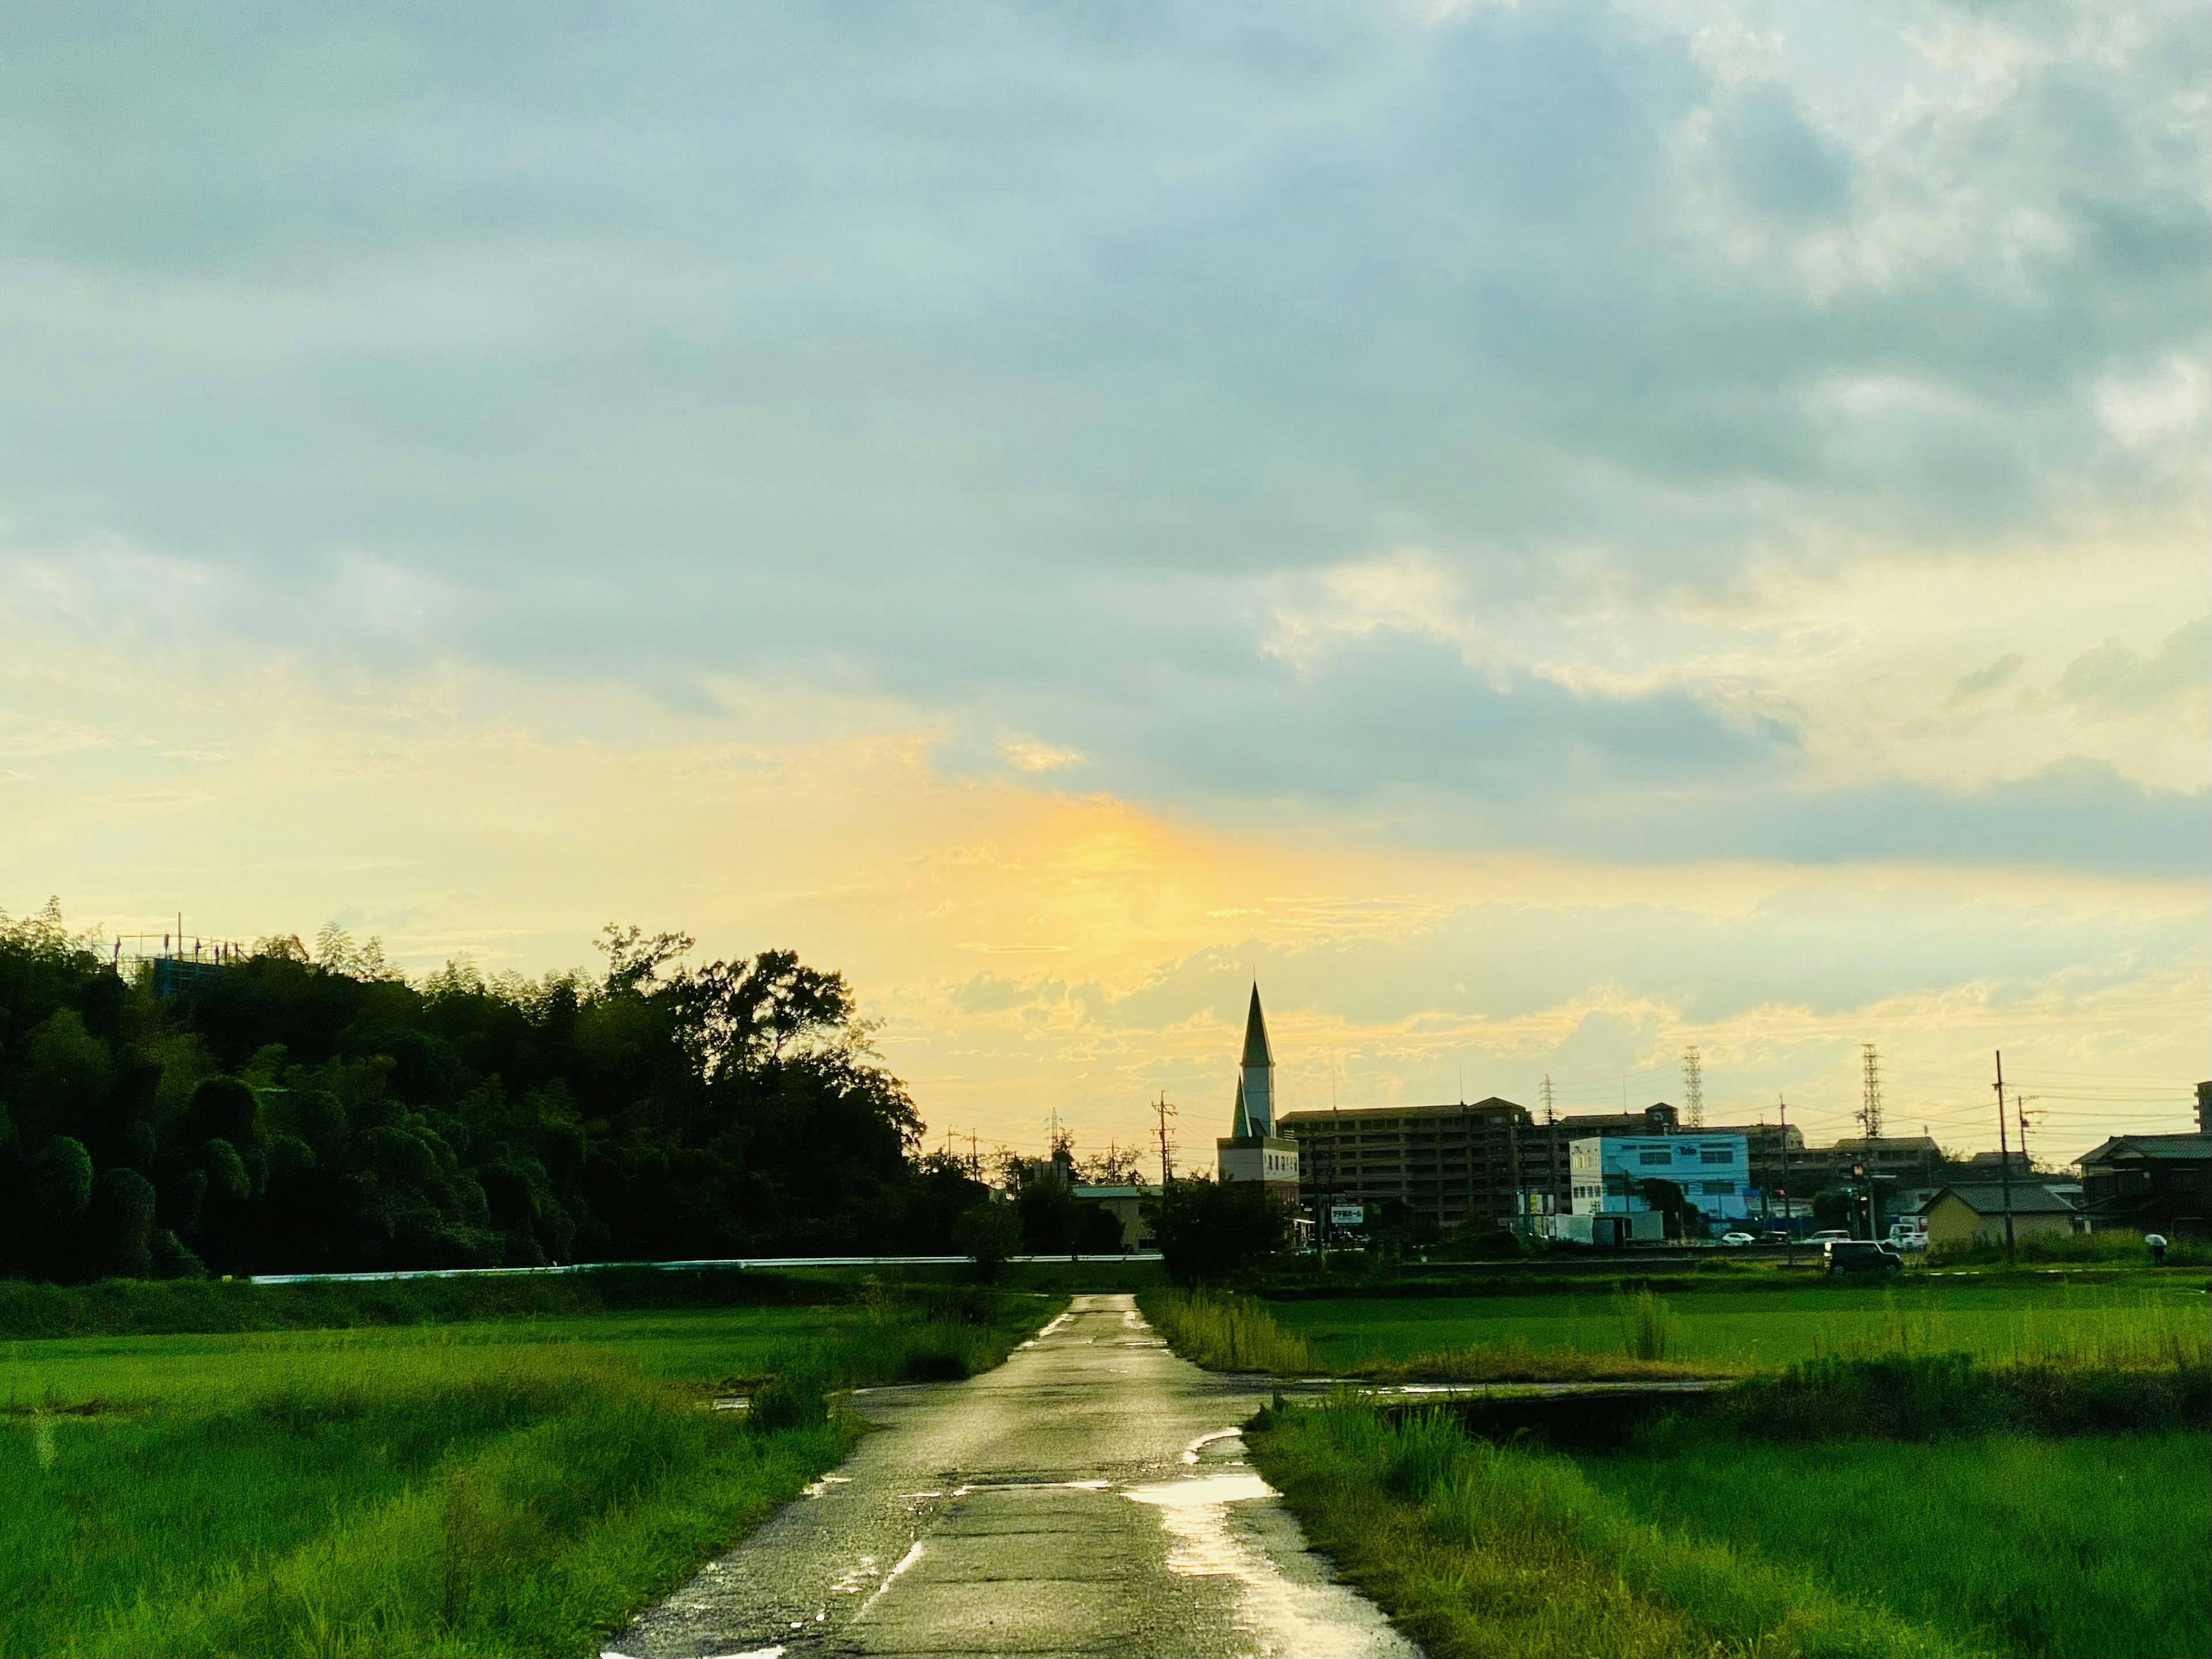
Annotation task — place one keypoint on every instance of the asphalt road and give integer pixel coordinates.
(1090, 1496)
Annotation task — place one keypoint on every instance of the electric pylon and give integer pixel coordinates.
(1870, 1102)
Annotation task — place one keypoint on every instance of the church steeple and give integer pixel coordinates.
(1256, 1075)
(1240, 1125)
(1256, 1051)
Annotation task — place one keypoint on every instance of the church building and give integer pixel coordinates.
(1253, 1150)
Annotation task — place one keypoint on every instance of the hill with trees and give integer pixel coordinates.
(308, 1110)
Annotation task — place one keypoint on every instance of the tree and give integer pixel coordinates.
(118, 1227)
(1114, 1167)
(1683, 1219)
(315, 1110)
(1208, 1230)
(989, 1235)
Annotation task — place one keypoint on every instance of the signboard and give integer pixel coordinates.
(1347, 1215)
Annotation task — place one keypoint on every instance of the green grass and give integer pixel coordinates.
(1226, 1333)
(2080, 1547)
(511, 1487)
(1695, 1543)
(1480, 1550)
(1737, 1331)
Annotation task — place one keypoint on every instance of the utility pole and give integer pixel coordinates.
(2005, 1161)
(975, 1156)
(1788, 1219)
(1693, 1085)
(1551, 1148)
(1165, 1112)
(2019, 1109)
(1870, 1103)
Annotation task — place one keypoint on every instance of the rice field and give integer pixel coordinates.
(1741, 1331)
(520, 1485)
(2058, 1549)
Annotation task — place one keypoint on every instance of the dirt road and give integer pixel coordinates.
(1090, 1496)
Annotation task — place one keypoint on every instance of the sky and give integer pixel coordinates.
(1546, 534)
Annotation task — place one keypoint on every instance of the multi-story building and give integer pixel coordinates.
(1775, 1156)
(1452, 1164)
(1711, 1168)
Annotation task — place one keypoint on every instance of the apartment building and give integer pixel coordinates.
(1452, 1164)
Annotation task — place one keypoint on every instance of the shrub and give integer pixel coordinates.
(1208, 1230)
(988, 1234)
(791, 1399)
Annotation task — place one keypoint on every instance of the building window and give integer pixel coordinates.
(1649, 1155)
(1718, 1155)
(1718, 1189)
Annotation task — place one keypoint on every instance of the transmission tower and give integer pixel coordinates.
(1693, 1086)
(1870, 1104)
(1547, 1097)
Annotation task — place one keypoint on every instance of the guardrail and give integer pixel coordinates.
(669, 1266)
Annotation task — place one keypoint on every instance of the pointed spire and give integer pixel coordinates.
(1256, 1051)
(1240, 1125)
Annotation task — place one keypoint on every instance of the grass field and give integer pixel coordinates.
(2089, 1546)
(1741, 1330)
(519, 1485)
(1709, 1546)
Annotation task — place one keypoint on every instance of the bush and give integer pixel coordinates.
(1208, 1230)
(788, 1400)
(1943, 1396)
(989, 1235)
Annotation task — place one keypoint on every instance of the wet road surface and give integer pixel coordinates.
(1090, 1496)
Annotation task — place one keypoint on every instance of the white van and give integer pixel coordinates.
(1909, 1233)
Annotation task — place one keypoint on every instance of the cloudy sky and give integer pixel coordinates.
(1549, 533)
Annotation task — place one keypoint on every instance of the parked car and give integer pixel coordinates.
(1736, 1239)
(1910, 1235)
(1828, 1236)
(1861, 1255)
(1774, 1235)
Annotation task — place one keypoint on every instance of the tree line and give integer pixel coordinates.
(313, 1110)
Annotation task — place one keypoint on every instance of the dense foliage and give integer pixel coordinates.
(1209, 1231)
(301, 1111)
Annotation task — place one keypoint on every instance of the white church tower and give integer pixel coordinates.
(1255, 1076)
(1253, 1151)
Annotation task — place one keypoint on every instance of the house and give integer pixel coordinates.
(2152, 1183)
(1126, 1204)
(1976, 1215)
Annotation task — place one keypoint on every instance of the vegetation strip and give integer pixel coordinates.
(1482, 1550)
(516, 1487)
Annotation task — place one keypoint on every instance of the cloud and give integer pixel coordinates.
(1029, 755)
(2113, 680)
(1079, 380)
(1972, 687)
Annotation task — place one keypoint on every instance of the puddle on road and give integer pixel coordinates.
(1287, 1618)
(1049, 1329)
(1190, 1452)
(1196, 1515)
(816, 1488)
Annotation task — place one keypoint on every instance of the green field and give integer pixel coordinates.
(1701, 1544)
(2090, 1547)
(519, 1485)
(1743, 1329)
